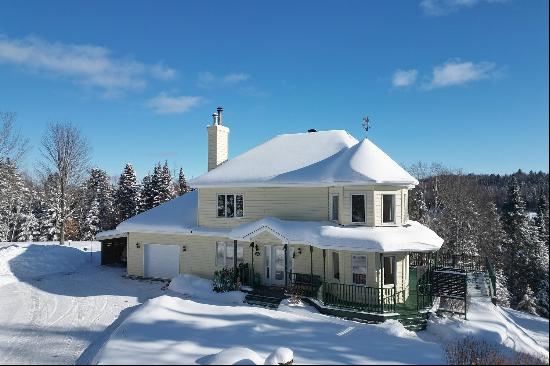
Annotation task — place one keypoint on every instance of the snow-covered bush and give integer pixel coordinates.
(475, 351)
(225, 280)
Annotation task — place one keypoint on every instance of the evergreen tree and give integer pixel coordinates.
(541, 219)
(527, 302)
(127, 197)
(48, 209)
(161, 185)
(418, 210)
(92, 222)
(98, 187)
(13, 201)
(519, 247)
(182, 184)
(147, 193)
(502, 293)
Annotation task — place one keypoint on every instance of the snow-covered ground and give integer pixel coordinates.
(175, 330)
(196, 326)
(58, 305)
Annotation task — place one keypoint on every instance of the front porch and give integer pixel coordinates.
(429, 275)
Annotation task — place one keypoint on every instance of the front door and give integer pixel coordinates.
(275, 265)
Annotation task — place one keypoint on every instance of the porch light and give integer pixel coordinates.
(184, 248)
(138, 245)
(299, 251)
(257, 249)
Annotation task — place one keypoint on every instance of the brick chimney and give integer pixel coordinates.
(218, 141)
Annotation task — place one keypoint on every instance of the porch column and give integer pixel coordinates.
(381, 282)
(324, 265)
(286, 264)
(235, 261)
(311, 262)
(252, 261)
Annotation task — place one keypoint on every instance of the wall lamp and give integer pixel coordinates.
(138, 245)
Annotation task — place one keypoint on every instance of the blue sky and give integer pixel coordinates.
(462, 82)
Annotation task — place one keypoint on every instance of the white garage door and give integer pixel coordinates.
(161, 261)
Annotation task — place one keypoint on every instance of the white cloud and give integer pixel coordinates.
(165, 104)
(404, 78)
(444, 7)
(456, 72)
(161, 72)
(83, 64)
(208, 79)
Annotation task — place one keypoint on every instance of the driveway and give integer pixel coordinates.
(58, 305)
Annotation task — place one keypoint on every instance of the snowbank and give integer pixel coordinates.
(197, 288)
(31, 260)
(488, 322)
(281, 356)
(171, 330)
(235, 356)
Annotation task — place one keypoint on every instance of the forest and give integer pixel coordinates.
(502, 217)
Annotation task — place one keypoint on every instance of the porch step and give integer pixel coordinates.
(413, 321)
(263, 301)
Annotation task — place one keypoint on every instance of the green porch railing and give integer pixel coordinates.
(353, 297)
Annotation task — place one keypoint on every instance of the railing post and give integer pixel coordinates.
(252, 261)
(235, 262)
(286, 264)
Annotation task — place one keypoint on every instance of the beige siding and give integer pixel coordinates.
(200, 258)
(218, 147)
(284, 203)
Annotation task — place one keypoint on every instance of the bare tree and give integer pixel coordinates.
(12, 144)
(66, 154)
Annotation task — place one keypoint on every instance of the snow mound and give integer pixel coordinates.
(172, 330)
(198, 288)
(487, 322)
(235, 356)
(281, 356)
(31, 260)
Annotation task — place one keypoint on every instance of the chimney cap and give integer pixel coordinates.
(219, 109)
(312, 130)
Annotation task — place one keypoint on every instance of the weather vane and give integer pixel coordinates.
(366, 124)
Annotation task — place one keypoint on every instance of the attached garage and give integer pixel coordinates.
(161, 260)
(113, 247)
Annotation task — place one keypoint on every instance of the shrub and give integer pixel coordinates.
(473, 351)
(225, 280)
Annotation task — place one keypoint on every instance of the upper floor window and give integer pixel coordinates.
(334, 202)
(358, 208)
(230, 205)
(388, 208)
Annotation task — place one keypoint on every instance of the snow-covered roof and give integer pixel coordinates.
(328, 235)
(110, 234)
(308, 159)
(178, 216)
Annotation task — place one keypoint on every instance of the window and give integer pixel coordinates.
(358, 207)
(224, 254)
(336, 265)
(359, 269)
(334, 201)
(230, 205)
(389, 270)
(388, 208)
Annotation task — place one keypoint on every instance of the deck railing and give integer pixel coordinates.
(354, 297)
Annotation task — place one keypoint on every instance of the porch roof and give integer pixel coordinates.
(327, 235)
